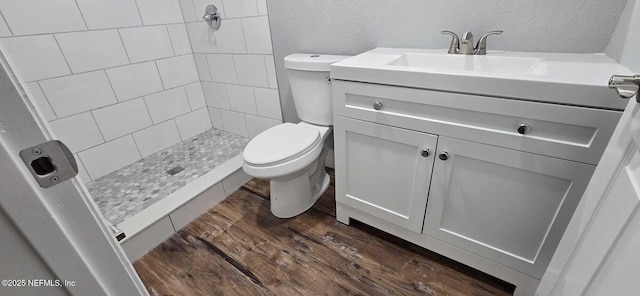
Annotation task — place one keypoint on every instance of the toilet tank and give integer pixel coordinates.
(311, 87)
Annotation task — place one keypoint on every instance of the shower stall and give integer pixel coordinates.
(155, 103)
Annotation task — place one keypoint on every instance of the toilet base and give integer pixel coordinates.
(294, 196)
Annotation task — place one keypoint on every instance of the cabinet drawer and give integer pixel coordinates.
(383, 171)
(568, 132)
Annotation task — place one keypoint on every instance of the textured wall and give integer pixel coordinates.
(624, 46)
(354, 26)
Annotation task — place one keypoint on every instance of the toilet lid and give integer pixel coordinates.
(281, 143)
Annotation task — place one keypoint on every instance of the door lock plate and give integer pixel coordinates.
(50, 163)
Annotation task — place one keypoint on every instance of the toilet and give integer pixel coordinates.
(292, 155)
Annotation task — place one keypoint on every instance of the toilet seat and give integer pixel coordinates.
(282, 150)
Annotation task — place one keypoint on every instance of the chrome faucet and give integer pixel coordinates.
(465, 45)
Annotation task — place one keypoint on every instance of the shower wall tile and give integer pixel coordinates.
(156, 12)
(124, 118)
(60, 16)
(271, 71)
(78, 93)
(193, 123)
(78, 132)
(147, 43)
(110, 156)
(262, 7)
(203, 67)
(215, 94)
(251, 70)
(188, 11)
(4, 28)
(36, 57)
(230, 37)
(222, 68)
(157, 137)
(92, 50)
(240, 8)
(234, 122)
(179, 39)
(241, 98)
(257, 124)
(268, 102)
(134, 81)
(202, 37)
(257, 35)
(216, 119)
(41, 101)
(107, 14)
(167, 104)
(195, 95)
(177, 71)
(82, 172)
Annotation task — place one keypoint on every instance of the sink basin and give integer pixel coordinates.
(471, 63)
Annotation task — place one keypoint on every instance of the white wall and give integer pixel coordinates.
(624, 46)
(236, 65)
(116, 80)
(353, 26)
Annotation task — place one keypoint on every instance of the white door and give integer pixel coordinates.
(52, 241)
(384, 171)
(506, 205)
(599, 253)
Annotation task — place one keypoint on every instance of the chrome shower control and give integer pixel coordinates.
(524, 129)
(377, 105)
(425, 152)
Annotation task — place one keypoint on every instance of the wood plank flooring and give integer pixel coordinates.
(239, 248)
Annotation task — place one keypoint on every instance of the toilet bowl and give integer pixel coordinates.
(292, 156)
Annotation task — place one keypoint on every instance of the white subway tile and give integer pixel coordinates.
(241, 98)
(110, 156)
(230, 37)
(156, 12)
(133, 81)
(222, 68)
(240, 8)
(178, 71)
(257, 124)
(188, 12)
(262, 7)
(82, 172)
(78, 93)
(257, 34)
(202, 38)
(146, 43)
(78, 132)
(195, 95)
(27, 17)
(4, 28)
(93, 50)
(216, 95)
(251, 70)
(157, 138)
(123, 118)
(193, 123)
(268, 102)
(234, 122)
(106, 14)
(271, 71)
(203, 66)
(41, 101)
(36, 57)
(216, 120)
(167, 104)
(179, 39)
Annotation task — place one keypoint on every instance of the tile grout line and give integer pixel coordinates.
(139, 13)
(178, 129)
(160, 75)
(173, 49)
(7, 23)
(90, 30)
(126, 52)
(63, 56)
(46, 99)
(81, 15)
(98, 127)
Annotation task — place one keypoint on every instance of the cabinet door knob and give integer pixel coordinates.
(425, 152)
(444, 155)
(524, 129)
(377, 105)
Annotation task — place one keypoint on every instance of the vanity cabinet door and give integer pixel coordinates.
(383, 171)
(505, 205)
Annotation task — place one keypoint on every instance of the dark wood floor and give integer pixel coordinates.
(239, 248)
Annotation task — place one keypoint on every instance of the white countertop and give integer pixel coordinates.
(563, 78)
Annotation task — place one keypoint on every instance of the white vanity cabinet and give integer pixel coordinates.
(501, 196)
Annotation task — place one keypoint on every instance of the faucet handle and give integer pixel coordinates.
(481, 47)
(455, 41)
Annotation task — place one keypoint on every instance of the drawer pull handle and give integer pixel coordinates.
(425, 152)
(377, 105)
(524, 129)
(444, 155)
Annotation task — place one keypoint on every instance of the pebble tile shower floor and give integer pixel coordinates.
(129, 190)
